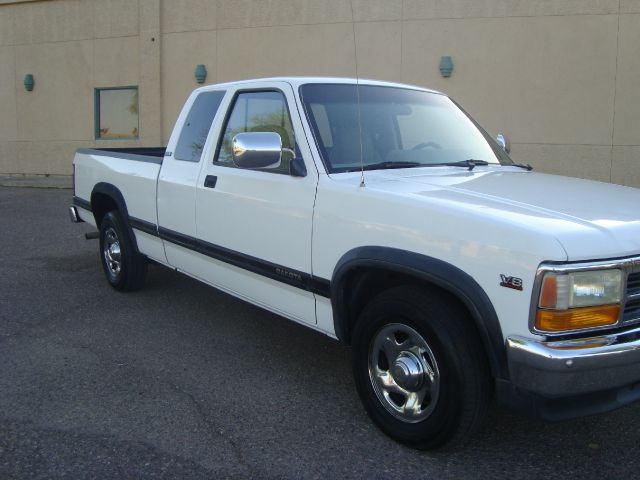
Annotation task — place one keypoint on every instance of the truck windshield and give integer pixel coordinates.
(400, 128)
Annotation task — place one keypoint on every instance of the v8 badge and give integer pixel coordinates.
(510, 282)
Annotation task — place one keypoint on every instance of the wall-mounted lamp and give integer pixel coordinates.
(29, 82)
(201, 73)
(446, 65)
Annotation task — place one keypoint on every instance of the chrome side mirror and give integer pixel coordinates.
(257, 150)
(504, 142)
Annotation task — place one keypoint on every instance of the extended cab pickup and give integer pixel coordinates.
(382, 215)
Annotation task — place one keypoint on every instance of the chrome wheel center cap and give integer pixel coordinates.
(408, 371)
(114, 250)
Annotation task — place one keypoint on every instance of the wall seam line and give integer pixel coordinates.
(16, 90)
(402, 41)
(615, 88)
(28, 44)
(303, 24)
(217, 42)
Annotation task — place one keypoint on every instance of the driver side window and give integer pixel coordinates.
(264, 111)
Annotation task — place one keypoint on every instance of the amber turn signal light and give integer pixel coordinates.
(577, 318)
(549, 292)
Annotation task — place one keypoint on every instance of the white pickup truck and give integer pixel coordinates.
(382, 215)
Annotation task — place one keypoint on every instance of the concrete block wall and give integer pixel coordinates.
(559, 77)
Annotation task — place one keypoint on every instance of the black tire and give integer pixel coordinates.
(127, 270)
(455, 371)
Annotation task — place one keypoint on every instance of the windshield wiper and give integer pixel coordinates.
(470, 163)
(385, 165)
(526, 166)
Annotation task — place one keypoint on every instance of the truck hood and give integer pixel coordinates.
(591, 220)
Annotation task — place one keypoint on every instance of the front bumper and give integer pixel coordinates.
(558, 369)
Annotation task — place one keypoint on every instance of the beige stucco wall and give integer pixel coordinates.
(559, 77)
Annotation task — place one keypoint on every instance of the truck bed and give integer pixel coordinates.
(131, 171)
(156, 154)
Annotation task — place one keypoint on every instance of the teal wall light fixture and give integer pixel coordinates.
(446, 66)
(29, 82)
(201, 73)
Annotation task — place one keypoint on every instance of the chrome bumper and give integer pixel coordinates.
(73, 215)
(573, 367)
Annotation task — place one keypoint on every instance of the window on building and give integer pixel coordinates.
(196, 126)
(116, 113)
(259, 112)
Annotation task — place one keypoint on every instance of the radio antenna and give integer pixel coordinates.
(355, 52)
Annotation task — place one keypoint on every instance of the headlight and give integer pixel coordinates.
(579, 300)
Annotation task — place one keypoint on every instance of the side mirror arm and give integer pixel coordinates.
(297, 167)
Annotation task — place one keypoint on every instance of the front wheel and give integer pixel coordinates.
(419, 368)
(123, 266)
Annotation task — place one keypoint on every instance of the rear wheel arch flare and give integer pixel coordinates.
(424, 270)
(106, 197)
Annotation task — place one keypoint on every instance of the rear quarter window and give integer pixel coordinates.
(196, 126)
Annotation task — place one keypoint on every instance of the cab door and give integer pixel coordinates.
(179, 174)
(254, 226)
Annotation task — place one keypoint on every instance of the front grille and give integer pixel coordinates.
(632, 306)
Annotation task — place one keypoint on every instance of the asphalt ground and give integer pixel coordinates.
(181, 381)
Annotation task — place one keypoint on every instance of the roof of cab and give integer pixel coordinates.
(297, 81)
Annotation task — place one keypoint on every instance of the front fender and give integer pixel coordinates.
(429, 270)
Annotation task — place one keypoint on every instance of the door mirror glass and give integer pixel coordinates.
(504, 142)
(257, 150)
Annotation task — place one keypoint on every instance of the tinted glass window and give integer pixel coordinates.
(196, 127)
(392, 128)
(259, 112)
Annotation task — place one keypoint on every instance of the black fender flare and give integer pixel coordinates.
(115, 194)
(431, 270)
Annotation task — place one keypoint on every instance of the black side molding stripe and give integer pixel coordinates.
(143, 226)
(289, 276)
(295, 278)
(320, 286)
(178, 238)
(79, 202)
(267, 269)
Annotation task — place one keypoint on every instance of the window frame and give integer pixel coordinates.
(225, 121)
(213, 121)
(501, 155)
(96, 112)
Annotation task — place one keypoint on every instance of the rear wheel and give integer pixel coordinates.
(419, 368)
(124, 267)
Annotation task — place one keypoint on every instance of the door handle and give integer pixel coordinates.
(210, 181)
